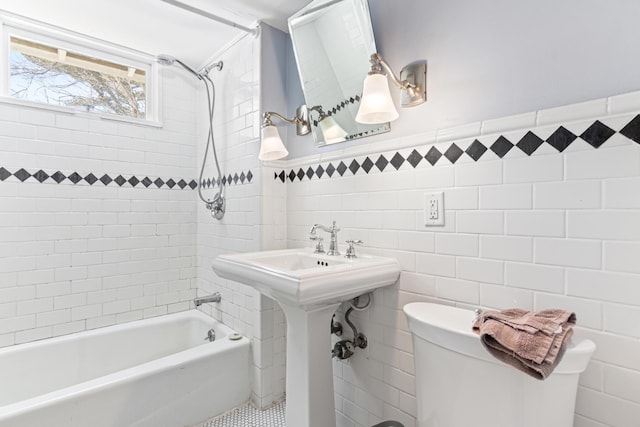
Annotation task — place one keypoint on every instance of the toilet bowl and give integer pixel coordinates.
(459, 384)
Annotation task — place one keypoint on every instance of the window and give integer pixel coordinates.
(77, 74)
(56, 76)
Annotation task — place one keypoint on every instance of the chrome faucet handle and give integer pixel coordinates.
(319, 246)
(351, 250)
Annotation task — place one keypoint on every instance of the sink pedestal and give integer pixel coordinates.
(309, 287)
(310, 401)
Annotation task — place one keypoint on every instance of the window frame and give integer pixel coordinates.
(84, 45)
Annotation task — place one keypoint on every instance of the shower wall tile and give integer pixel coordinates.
(78, 248)
(549, 229)
(254, 219)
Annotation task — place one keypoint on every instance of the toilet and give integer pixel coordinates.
(459, 384)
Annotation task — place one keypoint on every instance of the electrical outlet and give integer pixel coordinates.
(433, 209)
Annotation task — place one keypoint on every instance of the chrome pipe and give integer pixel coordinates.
(214, 297)
(217, 65)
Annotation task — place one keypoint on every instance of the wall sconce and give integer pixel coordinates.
(272, 147)
(331, 130)
(376, 105)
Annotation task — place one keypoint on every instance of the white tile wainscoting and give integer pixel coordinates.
(556, 226)
(80, 248)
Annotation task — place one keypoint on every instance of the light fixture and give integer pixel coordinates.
(331, 130)
(271, 146)
(376, 104)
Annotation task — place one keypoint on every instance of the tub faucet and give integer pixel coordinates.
(214, 297)
(333, 231)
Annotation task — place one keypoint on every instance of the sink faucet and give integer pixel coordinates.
(333, 244)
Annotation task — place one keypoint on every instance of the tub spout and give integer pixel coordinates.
(215, 297)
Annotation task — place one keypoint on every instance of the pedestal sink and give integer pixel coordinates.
(309, 287)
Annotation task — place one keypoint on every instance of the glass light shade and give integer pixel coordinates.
(376, 105)
(271, 146)
(332, 131)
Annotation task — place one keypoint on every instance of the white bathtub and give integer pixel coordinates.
(157, 372)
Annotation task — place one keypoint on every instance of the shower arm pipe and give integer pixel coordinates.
(189, 8)
(189, 69)
(215, 64)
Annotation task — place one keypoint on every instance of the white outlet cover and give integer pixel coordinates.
(433, 209)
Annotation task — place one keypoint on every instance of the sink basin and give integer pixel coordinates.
(302, 278)
(309, 287)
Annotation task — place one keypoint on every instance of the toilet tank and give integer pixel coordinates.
(459, 384)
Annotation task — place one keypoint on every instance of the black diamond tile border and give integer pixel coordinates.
(632, 129)
(381, 163)
(354, 166)
(596, 134)
(433, 155)
(22, 175)
(41, 176)
(453, 153)
(529, 143)
(561, 139)
(367, 164)
(397, 160)
(4, 174)
(414, 158)
(501, 146)
(476, 150)
(232, 179)
(342, 168)
(92, 179)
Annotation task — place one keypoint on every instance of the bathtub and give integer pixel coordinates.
(156, 372)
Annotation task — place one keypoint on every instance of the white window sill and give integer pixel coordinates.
(84, 114)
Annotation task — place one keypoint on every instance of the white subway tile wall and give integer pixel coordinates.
(91, 251)
(244, 228)
(534, 230)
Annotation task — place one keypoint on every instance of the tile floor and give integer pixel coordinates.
(248, 416)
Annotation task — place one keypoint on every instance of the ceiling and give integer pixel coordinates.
(155, 27)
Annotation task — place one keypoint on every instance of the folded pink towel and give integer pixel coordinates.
(533, 342)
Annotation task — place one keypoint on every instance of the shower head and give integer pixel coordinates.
(170, 60)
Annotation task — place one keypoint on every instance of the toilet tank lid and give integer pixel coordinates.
(450, 327)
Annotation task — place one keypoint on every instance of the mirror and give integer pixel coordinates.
(332, 43)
